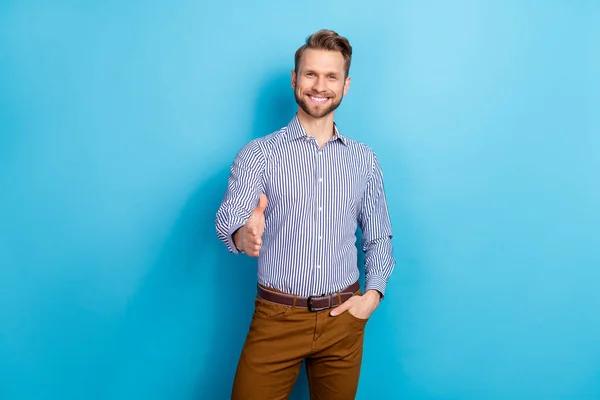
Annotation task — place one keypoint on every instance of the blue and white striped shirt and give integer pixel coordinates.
(317, 198)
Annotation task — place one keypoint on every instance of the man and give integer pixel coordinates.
(294, 201)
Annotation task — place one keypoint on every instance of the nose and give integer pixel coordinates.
(320, 85)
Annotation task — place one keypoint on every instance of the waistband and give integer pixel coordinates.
(312, 303)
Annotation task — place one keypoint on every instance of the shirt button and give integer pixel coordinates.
(320, 208)
(318, 267)
(320, 179)
(319, 237)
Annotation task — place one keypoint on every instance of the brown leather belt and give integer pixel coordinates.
(312, 303)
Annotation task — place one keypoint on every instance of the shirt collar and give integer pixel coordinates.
(296, 131)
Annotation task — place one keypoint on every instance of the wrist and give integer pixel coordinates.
(373, 296)
(237, 239)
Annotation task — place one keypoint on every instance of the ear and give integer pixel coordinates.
(293, 79)
(346, 85)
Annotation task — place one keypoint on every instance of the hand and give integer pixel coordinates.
(359, 306)
(249, 237)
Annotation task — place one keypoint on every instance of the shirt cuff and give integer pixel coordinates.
(230, 243)
(375, 282)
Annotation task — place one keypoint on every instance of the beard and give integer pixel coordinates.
(315, 113)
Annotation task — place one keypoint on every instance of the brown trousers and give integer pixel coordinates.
(281, 337)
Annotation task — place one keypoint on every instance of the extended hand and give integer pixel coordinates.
(249, 237)
(359, 306)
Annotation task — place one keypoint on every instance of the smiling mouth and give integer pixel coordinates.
(318, 100)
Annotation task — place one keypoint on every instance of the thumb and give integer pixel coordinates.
(340, 309)
(262, 204)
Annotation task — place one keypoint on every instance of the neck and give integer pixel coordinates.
(320, 128)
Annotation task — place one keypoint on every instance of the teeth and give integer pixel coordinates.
(318, 98)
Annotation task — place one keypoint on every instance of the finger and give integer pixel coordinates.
(262, 204)
(340, 309)
(254, 240)
(260, 208)
(251, 249)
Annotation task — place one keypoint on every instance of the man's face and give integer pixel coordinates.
(320, 83)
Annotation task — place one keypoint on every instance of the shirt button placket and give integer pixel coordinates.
(320, 216)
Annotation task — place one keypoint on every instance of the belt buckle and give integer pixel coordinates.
(311, 308)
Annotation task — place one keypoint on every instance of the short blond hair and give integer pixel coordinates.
(326, 39)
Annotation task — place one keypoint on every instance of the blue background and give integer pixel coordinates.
(118, 123)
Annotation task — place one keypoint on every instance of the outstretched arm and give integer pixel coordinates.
(240, 204)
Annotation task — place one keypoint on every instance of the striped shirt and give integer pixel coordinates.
(316, 200)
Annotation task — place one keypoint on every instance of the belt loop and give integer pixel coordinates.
(294, 305)
(339, 298)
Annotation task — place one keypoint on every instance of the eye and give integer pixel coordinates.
(332, 77)
(310, 74)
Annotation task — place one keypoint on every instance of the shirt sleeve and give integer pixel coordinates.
(243, 191)
(374, 221)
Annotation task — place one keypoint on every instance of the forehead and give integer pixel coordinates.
(322, 60)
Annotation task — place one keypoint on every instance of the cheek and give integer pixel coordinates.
(301, 86)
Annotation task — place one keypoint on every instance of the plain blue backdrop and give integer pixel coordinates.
(118, 124)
